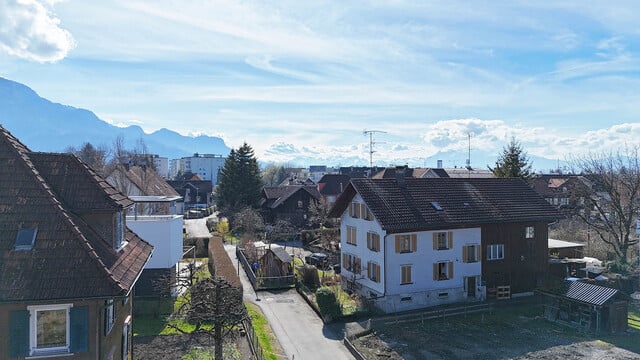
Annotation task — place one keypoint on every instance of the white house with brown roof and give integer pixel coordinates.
(410, 243)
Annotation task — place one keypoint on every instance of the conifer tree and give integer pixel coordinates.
(239, 183)
(513, 162)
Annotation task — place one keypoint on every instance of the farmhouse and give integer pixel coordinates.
(409, 243)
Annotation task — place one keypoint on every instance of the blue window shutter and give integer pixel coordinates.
(19, 333)
(79, 329)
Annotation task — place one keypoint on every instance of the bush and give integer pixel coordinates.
(310, 277)
(328, 304)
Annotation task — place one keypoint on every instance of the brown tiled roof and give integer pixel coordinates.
(147, 180)
(463, 202)
(79, 187)
(68, 259)
(274, 196)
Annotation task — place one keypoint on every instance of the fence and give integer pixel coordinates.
(264, 282)
(431, 314)
(254, 342)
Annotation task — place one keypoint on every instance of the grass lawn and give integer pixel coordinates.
(263, 331)
(634, 316)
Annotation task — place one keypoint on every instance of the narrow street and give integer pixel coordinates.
(300, 331)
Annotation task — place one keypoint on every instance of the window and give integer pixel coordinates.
(26, 238)
(109, 316)
(373, 271)
(351, 263)
(300, 204)
(126, 339)
(119, 233)
(354, 210)
(470, 253)
(351, 235)
(442, 270)
(406, 243)
(46, 330)
(442, 240)
(495, 252)
(529, 232)
(366, 213)
(373, 241)
(406, 274)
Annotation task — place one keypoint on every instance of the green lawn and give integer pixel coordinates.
(634, 316)
(263, 331)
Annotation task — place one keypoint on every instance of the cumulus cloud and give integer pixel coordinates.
(30, 30)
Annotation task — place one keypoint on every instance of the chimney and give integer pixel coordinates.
(400, 170)
(439, 164)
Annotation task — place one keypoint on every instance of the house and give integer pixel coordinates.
(410, 243)
(332, 185)
(135, 180)
(194, 192)
(289, 203)
(439, 172)
(562, 191)
(155, 217)
(587, 307)
(68, 262)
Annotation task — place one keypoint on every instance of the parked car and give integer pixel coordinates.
(317, 259)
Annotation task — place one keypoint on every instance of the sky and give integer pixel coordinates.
(306, 79)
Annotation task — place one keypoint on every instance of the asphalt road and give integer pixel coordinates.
(300, 331)
(197, 228)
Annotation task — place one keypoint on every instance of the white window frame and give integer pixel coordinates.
(529, 232)
(126, 346)
(33, 330)
(402, 274)
(442, 236)
(352, 235)
(495, 252)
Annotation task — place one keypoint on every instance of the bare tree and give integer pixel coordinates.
(247, 221)
(610, 206)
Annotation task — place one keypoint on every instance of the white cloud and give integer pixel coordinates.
(30, 30)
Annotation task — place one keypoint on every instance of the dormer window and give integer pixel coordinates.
(26, 238)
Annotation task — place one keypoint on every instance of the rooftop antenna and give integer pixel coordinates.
(371, 143)
(469, 157)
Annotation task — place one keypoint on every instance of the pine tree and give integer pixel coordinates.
(513, 162)
(239, 183)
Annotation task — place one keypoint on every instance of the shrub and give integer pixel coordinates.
(328, 304)
(310, 277)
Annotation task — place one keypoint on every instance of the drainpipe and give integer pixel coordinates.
(384, 283)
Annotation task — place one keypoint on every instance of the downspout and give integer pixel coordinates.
(384, 284)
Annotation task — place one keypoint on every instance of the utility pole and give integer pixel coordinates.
(371, 143)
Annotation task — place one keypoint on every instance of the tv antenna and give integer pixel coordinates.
(371, 143)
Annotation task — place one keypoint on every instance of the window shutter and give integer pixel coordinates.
(464, 253)
(344, 261)
(369, 270)
(377, 273)
(358, 269)
(19, 333)
(106, 319)
(397, 244)
(378, 243)
(450, 270)
(479, 257)
(414, 242)
(435, 271)
(450, 239)
(79, 329)
(435, 241)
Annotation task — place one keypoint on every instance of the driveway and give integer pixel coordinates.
(299, 330)
(197, 228)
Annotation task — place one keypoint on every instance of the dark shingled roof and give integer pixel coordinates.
(281, 253)
(68, 259)
(274, 196)
(464, 202)
(333, 184)
(145, 179)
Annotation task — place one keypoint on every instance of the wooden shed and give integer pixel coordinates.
(587, 307)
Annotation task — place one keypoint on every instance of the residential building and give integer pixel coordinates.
(565, 192)
(206, 166)
(289, 203)
(330, 186)
(156, 216)
(410, 243)
(68, 261)
(161, 165)
(194, 192)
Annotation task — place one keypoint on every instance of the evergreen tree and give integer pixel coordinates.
(239, 183)
(513, 162)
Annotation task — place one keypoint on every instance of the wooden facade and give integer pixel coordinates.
(524, 264)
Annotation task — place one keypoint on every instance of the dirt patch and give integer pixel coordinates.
(174, 347)
(509, 334)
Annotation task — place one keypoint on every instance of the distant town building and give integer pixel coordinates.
(206, 166)
(161, 165)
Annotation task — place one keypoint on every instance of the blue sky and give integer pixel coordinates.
(302, 79)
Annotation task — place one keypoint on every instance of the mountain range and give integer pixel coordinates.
(43, 125)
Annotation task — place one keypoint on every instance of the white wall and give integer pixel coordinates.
(423, 291)
(164, 233)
